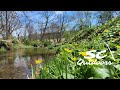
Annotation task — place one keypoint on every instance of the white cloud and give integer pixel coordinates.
(58, 12)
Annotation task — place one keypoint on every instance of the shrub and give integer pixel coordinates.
(2, 50)
(15, 41)
(46, 43)
(50, 47)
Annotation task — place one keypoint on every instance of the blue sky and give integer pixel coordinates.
(35, 16)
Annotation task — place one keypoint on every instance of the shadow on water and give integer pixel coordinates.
(16, 64)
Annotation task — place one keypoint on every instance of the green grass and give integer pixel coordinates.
(65, 64)
(63, 67)
(21, 46)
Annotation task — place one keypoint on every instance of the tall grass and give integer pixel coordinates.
(64, 64)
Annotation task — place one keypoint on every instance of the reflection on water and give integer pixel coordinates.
(16, 64)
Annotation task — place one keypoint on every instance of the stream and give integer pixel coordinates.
(16, 64)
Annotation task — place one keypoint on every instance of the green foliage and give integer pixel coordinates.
(26, 41)
(46, 43)
(107, 32)
(35, 43)
(15, 41)
(50, 47)
(22, 46)
(2, 50)
(65, 64)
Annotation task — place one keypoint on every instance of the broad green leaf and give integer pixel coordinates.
(102, 72)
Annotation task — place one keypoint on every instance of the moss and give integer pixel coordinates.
(3, 50)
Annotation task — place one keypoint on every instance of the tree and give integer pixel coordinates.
(83, 19)
(54, 29)
(104, 16)
(30, 29)
(62, 23)
(45, 22)
(2, 24)
(9, 23)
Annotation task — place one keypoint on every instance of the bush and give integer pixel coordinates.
(26, 41)
(46, 43)
(50, 47)
(36, 43)
(15, 41)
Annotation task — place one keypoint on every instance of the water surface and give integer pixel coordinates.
(16, 64)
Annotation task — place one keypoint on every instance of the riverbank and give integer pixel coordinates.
(16, 63)
(22, 46)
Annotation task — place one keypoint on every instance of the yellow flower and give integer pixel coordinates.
(118, 46)
(38, 61)
(67, 50)
(106, 30)
(74, 59)
(84, 53)
(92, 60)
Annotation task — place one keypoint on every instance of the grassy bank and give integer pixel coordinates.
(22, 46)
(92, 54)
(65, 65)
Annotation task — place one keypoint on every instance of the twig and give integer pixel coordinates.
(110, 51)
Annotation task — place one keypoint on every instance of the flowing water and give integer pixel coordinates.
(16, 64)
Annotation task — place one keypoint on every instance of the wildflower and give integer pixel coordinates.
(68, 50)
(118, 46)
(38, 61)
(92, 60)
(106, 30)
(83, 53)
(74, 59)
